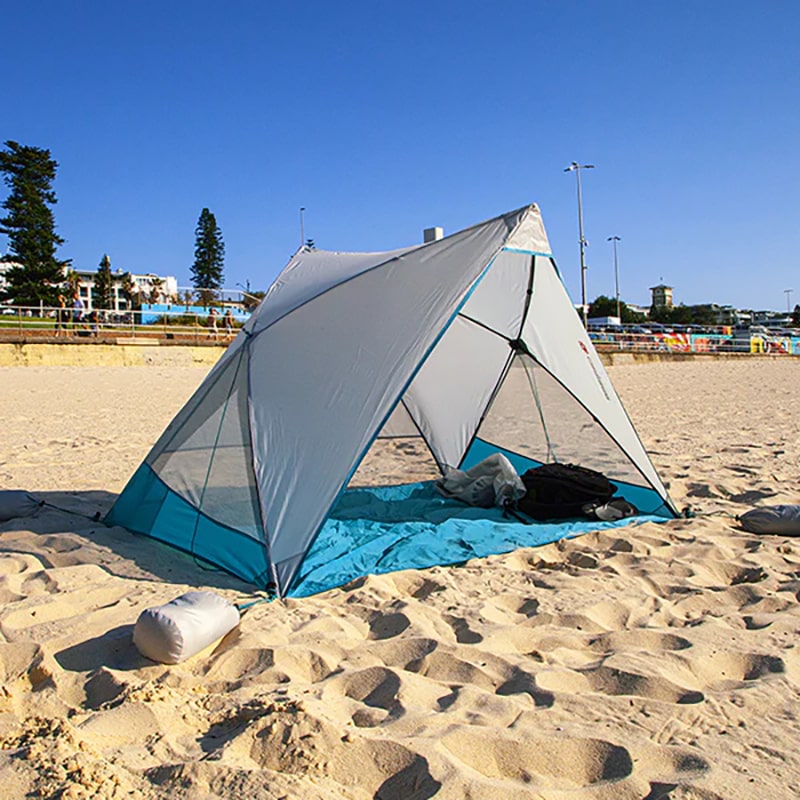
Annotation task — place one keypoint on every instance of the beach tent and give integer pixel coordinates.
(469, 343)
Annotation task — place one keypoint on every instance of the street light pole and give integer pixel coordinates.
(576, 168)
(788, 293)
(302, 227)
(614, 240)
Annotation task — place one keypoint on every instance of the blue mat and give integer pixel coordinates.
(384, 529)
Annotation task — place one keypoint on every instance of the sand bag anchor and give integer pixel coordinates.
(183, 627)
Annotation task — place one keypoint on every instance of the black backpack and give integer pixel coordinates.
(560, 491)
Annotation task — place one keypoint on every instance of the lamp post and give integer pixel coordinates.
(576, 168)
(302, 227)
(788, 293)
(614, 240)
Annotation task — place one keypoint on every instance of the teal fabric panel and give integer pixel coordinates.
(369, 531)
(384, 529)
(647, 500)
(175, 523)
(149, 507)
(140, 502)
(233, 551)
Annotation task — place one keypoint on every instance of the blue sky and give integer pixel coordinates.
(384, 118)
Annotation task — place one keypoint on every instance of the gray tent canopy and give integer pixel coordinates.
(470, 343)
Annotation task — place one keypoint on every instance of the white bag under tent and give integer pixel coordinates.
(469, 343)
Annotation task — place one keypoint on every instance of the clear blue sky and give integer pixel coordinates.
(384, 118)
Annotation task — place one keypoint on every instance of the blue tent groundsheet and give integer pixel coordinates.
(377, 530)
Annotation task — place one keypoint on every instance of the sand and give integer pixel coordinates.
(657, 662)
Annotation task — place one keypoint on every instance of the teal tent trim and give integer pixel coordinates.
(398, 400)
(369, 531)
(527, 252)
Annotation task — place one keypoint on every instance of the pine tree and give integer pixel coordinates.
(209, 255)
(103, 294)
(29, 172)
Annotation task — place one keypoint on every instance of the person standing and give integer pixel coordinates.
(62, 316)
(229, 324)
(213, 319)
(77, 310)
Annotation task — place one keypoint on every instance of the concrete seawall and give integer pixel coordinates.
(107, 355)
(611, 358)
(142, 355)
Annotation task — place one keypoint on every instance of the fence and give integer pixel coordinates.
(175, 324)
(709, 340)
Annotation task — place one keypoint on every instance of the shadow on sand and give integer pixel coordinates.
(69, 530)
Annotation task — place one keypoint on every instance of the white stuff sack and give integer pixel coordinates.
(178, 630)
(16, 503)
(489, 483)
(772, 519)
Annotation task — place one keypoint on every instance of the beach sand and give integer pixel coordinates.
(659, 661)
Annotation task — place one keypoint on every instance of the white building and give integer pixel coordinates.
(148, 287)
(4, 267)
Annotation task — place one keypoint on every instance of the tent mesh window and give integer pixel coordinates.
(209, 460)
(398, 455)
(533, 415)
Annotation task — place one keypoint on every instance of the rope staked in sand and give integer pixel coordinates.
(658, 662)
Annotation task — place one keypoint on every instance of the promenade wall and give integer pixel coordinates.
(140, 355)
(107, 355)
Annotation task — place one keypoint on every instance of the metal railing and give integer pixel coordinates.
(177, 325)
(721, 339)
(65, 324)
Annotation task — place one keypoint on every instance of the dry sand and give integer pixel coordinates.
(657, 662)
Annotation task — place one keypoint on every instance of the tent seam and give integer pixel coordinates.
(667, 499)
(266, 543)
(214, 451)
(400, 395)
(509, 361)
(410, 251)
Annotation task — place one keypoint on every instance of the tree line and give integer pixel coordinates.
(701, 315)
(37, 275)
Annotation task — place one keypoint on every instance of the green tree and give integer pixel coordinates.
(209, 255)
(603, 306)
(684, 315)
(703, 315)
(29, 224)
(796, 316)
(103, 294)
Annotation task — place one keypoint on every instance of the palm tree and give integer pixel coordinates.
(72, 280)
(155, 289)
(129, 290)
